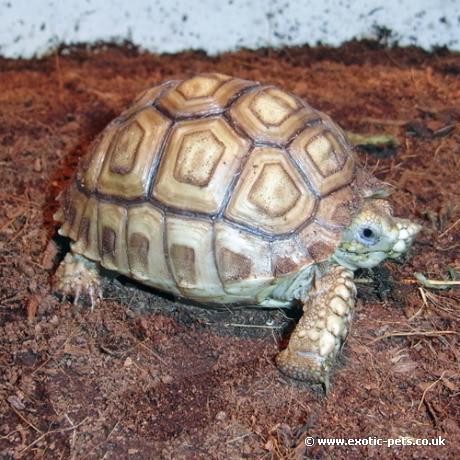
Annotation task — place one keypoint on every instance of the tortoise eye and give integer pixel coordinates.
(367, 235)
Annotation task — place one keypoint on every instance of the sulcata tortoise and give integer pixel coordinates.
(226, 191)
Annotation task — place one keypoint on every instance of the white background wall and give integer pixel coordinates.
(32, 27)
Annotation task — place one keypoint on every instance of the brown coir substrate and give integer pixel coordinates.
(145, 377)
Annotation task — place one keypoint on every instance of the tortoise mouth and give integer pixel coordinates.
(363, 259)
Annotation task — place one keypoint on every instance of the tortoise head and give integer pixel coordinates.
(374, 235)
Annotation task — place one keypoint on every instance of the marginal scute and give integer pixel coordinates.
(73, 204)
(270, 194)
(112, 236)
(243, 260)
(198, 165)
(108, 240)
(84, 231)
(191, 257)
(270, 114)
(325, 160)
(138, 251)
(318, 241)
(336, 208)
(202, 94)
(234, 266)
(288, 256)
(198, 157)
(87, 242)
(133, 150)
(146, 250)
(183, 260)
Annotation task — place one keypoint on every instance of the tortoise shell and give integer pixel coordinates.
(212, 188)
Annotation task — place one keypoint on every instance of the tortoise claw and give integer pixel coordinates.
(78, 277)
(305, 366)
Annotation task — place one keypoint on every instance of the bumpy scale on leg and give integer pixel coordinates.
(321, 330)
(77, 276)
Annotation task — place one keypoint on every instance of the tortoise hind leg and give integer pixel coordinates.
(77, 276)
(321, 330)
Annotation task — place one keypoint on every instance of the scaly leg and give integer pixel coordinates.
(77, 276)
(321, 330)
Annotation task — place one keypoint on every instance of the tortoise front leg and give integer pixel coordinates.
(321, 330)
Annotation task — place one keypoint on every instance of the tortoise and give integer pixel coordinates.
(221, 190)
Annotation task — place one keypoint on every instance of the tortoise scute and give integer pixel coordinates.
(146, 251)
(184, 261)
(335, 209)
(234, 266)
(201, 95)
(87, 242)
(243, 260)
(326, 163)
(273, 106)
(198, 165)
(112, 236)
(108, 240)
(147, 98)
(269, 114)
(271, 195)
(274, 191)
(319, 242)
(289, 254)
(132, 153)
(191, 255)
(126, 148)
(198, 158)
(73, 204)
(138, 251)
(200, 86)
(91, 164)
(325, 154)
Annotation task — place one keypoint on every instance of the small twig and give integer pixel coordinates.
(154, 353)
(425, 304)
(255, 326)
(12, 219)
(25, 420)
(421, 333)
(74, 436)
(449, 228)
(238, 438)
(44, 435)
(112, 430)
(6, 436)
(422, 400)
(435, 284)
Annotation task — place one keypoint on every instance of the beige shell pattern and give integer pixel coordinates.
(212, 188)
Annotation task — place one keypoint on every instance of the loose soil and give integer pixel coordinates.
(143, 376)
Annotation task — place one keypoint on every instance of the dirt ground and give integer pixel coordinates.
(145, 377)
